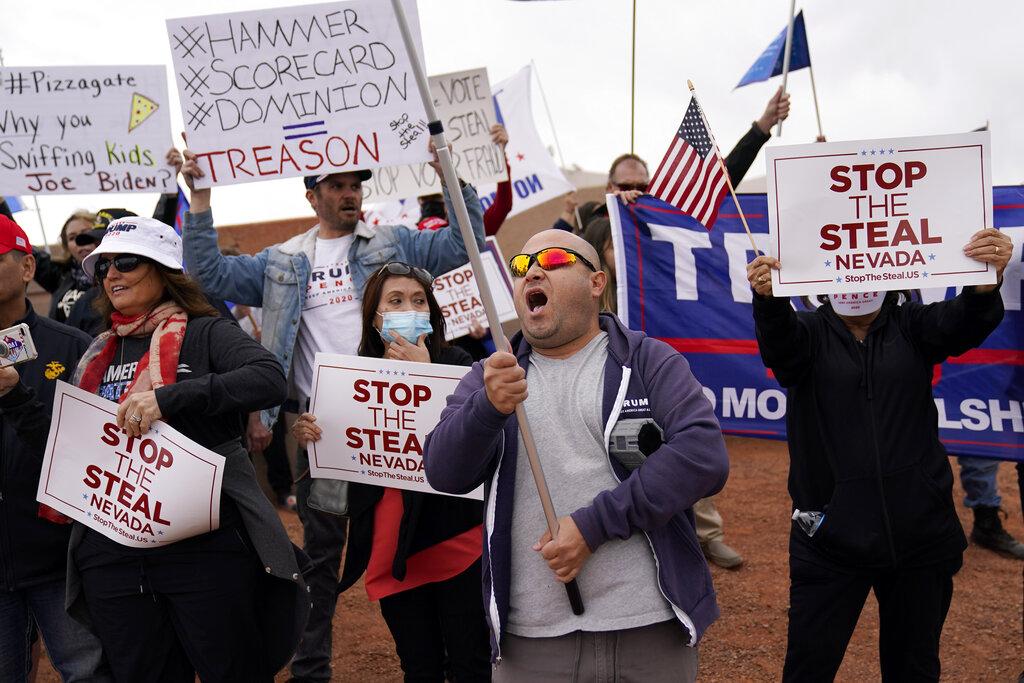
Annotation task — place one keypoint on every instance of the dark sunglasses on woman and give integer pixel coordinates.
(404, 269)
(125, 263)
(548, 259)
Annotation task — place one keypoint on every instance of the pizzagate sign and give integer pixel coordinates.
(878, 214)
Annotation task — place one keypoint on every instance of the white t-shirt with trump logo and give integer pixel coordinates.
(331, 316)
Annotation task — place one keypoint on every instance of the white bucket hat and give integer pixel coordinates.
(138, 235)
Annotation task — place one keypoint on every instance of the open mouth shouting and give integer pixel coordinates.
(536, 300)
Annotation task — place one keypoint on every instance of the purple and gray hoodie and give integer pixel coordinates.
(645, 380)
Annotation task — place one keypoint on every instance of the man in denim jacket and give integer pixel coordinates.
(310, 289)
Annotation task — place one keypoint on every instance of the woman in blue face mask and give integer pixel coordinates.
(420, 552)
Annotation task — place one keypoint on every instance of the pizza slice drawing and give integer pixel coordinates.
(142, 109)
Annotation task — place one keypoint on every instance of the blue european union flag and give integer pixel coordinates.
(770, 62)
(14, 204)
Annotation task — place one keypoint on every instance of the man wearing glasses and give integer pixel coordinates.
(310, 289)
(628, 442)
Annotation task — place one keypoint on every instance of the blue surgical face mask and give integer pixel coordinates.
(408, 324)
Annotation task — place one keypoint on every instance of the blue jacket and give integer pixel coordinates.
(645, 381)
(275, 278)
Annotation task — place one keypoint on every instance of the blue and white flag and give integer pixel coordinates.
(771, 60)
(14, 203)
(688, 287)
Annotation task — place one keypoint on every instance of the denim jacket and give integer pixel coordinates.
(275, 278)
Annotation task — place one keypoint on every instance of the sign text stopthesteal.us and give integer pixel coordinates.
(878, 214)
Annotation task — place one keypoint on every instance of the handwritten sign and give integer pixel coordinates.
(84, 129)
(141, 492)
(878, 214)
(298, 91)
(465, 107)
(458, 294)
(375, 415)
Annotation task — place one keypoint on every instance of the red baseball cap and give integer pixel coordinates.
(12, 237)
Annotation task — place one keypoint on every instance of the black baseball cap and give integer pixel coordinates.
(311, 180)
(99, 226)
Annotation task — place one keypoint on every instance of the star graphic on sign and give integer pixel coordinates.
(362, 471)
(85, 497)
(872, 152)
(828, 263)
(925, 273)
(931, 257)
(353, 458)
(839, 279)
(160, 532)
(863, 152)
(519, 156)
(892, 151)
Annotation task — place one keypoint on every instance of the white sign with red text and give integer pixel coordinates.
(140, 492)
(459, 295)
(375, 415)
(878, 214)
(298, 91)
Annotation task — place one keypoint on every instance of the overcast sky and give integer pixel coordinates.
(883, 69)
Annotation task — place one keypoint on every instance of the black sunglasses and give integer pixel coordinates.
(404, 269)
(626, 187)
(125, 263)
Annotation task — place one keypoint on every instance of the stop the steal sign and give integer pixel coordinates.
(878, 214)
(141, 492)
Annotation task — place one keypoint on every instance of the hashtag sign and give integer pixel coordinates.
(187, 40)
(196, 81)
(198, 115)
(15, 83)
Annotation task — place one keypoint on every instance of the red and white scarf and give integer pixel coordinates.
(159, 367)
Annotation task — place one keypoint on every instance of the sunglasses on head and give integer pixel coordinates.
(125, 263)
(548, 259)
(404, 269)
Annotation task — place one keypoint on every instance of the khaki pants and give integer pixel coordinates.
(709, 522)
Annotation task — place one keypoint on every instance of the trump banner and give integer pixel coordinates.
(878, 214)
(140, 492)
(375, 415)
(84, 129)
(687, 286)
(298, 91)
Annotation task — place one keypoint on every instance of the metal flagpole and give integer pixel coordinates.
(39, 217)
(814, 93)
(785, 57)
(632, 87)
(728, 180)
(554, 134)
(451, 180)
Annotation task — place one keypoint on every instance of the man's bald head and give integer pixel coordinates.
(559, 307)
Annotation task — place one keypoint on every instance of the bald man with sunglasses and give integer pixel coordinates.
(629, 444)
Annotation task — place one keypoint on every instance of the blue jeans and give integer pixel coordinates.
(978, 477)
(74, 652)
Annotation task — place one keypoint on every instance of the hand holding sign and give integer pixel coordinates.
(138, 412)
(990, 246)
(306, 430)
(759, 274)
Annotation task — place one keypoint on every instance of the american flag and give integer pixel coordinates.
(691, 176)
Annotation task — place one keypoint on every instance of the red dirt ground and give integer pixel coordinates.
(982, 640)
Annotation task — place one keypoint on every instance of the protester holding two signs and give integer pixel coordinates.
(420, 551)
(869, 478)
(226, 604)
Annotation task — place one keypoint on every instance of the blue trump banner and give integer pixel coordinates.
(687, 286)
(770, 62)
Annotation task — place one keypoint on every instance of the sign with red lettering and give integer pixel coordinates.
(140, 492)
(459, 295)
(298, 91)
(84, 129)
(375, 415)
(876, 215)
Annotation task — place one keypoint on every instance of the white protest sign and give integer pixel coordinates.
(375, 415)
(458, 294)
(84, 129)
(298, 91)
(878, 214)
(536, 177)
(141, 492)
(465, 107)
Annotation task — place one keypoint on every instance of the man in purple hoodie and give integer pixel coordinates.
(628, 442)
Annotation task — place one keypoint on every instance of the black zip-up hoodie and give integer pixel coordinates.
(33, 550)
(863, 428)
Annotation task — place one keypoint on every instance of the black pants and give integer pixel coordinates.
(279, 472)
(826, 601)
(438, 619)
(323, 538)
(172, 616)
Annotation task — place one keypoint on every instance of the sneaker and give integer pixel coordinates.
(721, 554)
(988, 532)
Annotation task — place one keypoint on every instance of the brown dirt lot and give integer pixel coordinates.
(982, 640)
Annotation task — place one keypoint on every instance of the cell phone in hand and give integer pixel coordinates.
(16, 346)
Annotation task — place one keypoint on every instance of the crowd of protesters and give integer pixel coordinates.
(470, 591)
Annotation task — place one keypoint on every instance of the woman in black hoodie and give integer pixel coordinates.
(420, 552)
(870, 481)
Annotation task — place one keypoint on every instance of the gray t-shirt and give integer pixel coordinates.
(618, 582)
